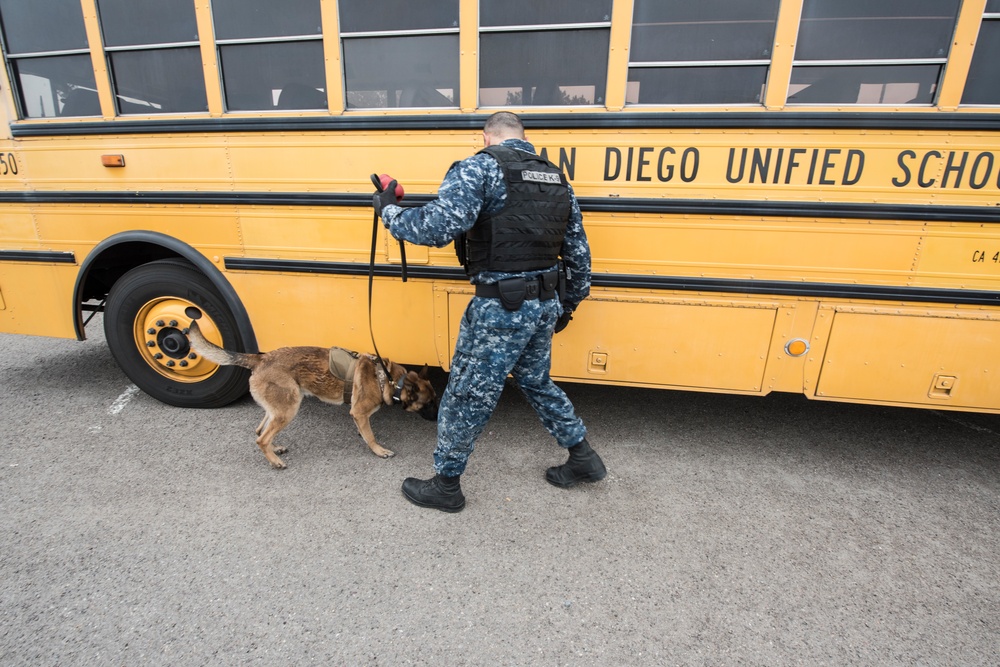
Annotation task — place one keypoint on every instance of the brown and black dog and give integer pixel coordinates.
(281, 377)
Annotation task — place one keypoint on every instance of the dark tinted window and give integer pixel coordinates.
(62, 82)
(56, 86)
(36, 26)
(159, 81)
(855, 31)
(703, 30)
(696, 85)
(418, 71)
(283, 75)
(383, 15)
(547, 67)
(983, 84)
(542, 12)
(875, 29)
(868, 84)
(265, 70)
(247, 19)
(137, 22)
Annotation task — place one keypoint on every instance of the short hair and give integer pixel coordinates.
(504, 124)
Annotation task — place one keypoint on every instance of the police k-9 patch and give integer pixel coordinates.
(540, 177)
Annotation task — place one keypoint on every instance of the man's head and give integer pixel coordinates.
(500, 126)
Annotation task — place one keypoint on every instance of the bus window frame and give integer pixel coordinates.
(708, 63)
(987, 17)
(346, 37)
(538, 28)
(941, 63)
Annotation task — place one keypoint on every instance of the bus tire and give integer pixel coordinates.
(145, 319)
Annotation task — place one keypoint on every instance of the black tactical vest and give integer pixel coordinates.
(527, 233)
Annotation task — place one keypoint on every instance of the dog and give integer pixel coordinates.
(280, 378)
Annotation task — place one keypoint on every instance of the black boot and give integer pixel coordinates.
(439, 492)
(584, 465)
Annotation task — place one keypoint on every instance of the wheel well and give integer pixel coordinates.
(119, 254)
(115, 261)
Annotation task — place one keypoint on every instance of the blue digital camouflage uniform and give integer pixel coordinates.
(492, 341)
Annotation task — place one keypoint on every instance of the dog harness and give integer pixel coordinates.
(343, 364)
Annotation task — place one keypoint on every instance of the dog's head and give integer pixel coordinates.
(418, 395)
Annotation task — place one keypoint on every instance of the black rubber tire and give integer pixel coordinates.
(175, 282)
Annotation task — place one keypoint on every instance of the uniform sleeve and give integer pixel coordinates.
(455, 210)
(576, 258)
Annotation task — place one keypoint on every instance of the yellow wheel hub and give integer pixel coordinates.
(160, 332)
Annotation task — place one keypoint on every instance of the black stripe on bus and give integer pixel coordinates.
(849, 210)
(678, 283)
(47, 256)
(847, 120)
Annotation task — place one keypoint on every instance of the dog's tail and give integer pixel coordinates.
(217, 355)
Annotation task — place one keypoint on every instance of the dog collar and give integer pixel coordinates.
(397, 396)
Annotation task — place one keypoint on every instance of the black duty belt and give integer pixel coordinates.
(513, 291)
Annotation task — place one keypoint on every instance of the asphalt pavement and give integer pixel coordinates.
(731, 530)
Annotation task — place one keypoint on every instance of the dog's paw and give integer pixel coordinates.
(383, 453)
(278, 464)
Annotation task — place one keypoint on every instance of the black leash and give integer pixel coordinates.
(371, 278)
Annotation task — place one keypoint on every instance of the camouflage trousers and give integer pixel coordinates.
(492, 344)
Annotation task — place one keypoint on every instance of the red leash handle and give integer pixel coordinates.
(377, 182)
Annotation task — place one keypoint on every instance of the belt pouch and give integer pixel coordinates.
(512, 292)
(549, 283)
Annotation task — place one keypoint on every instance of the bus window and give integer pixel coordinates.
(706, 52)
(983, 84)
(270, 53)
(871, 51)
(154, 57)
(551, 53)
(403, 55)
(49, 60)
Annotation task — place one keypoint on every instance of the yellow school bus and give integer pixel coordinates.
(780, 195)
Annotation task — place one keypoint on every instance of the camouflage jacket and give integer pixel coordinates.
(473, 185)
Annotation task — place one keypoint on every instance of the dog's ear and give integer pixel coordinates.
(424, 372)
(410, 380)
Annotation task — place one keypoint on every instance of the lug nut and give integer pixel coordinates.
(170, 364)
(150, 343)
(151, 331)
(184, 363)
(157, 356)
(192, 356)
(173, 323)
(159, 323)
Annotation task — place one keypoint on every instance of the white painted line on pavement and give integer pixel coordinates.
(123, 400)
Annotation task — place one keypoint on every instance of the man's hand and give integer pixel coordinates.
(563, 319)
(384, 198)
(389, 192)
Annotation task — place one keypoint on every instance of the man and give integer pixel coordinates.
(512, 216)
